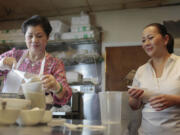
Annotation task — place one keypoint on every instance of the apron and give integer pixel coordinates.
(15, 77)
(165, 122)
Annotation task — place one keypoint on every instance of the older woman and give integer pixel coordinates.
(157, 84)
(36, 60)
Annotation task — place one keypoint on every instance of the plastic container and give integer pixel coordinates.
(114, 107)
(34, 92)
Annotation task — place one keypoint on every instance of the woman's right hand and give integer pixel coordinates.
(135, 93)
(135, 99)
(9, 62)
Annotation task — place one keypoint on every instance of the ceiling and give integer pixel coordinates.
(21, 9)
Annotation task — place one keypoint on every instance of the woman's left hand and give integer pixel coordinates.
(162, 102)
(49, 82)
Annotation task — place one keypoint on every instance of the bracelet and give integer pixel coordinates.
(60, 90)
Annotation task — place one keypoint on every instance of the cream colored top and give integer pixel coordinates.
(167, 121)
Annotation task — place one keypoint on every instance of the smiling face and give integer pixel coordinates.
(153, 42)
(36, 39)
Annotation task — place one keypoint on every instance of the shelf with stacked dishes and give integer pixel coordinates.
(57, 43)
(52, 44)
(84, 77)
(82, 56)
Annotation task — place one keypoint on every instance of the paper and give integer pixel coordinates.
(79, 126)
(133, 87)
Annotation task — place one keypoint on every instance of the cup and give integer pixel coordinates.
(34, 92)
(114, 107)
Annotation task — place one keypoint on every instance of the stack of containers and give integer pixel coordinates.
(58, 27)
(11, 36)
(80, 28)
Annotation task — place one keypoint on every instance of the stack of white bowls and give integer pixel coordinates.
(19, 111)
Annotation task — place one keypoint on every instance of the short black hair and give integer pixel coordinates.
(37, 20)
(163, 31)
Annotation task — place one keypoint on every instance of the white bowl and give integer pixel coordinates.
(14, 103)
(30, 117)
(149, 94)
(8, 116)
(47, 117)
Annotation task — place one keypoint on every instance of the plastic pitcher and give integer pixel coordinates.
(34, 92)
(114, 107)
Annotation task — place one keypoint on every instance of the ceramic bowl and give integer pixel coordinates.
(149, 94)
(14, 103)
(47, 117)
(8, 116)
(30, 117)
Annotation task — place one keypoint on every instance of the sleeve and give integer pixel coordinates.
(2, 66)
(2, 56)
(136, 81)
(11, 53)
(58, 72)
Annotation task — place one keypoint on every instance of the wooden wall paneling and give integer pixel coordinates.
(119, 62)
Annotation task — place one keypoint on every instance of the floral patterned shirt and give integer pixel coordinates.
(53, 66)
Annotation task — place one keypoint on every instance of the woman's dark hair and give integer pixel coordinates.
(163, 31)
(37, 20)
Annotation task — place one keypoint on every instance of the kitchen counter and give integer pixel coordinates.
(57, 127)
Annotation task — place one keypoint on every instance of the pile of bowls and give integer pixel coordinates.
(10, 109)
(18, 111)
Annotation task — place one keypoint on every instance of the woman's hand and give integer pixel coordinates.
(50, 83)
(135, 93)
(9, 62)
(135, 100)
(162, 102)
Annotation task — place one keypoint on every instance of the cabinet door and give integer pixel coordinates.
(119, 62)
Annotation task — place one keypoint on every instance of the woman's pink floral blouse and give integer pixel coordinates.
(53, 66)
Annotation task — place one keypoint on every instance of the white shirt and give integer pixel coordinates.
(167, 121)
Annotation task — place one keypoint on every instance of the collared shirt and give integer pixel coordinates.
(145, 77)
(53, 66)
(166, 121)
